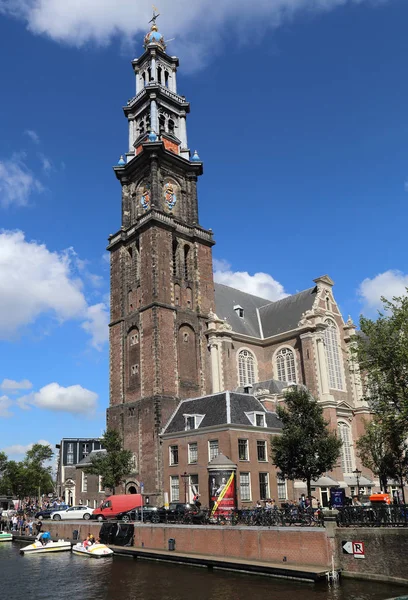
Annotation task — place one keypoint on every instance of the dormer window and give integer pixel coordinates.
(239, 310)
(260, 420)
(257, 418)
(193, 421)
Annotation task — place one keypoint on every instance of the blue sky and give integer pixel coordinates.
(299, 112)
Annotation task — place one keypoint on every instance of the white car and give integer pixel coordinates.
(75, 512)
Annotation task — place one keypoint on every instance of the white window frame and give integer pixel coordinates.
(190, 461)
(268, 494)
(210, 458)
(249, 499)
(252, 416)
(197, 421)
(84, 482)
(247, 449)
(334, 356)
(172, 463)
(281, 482)
(174, 478)
(100, 486)
(245, 377)
(266, 451)
(288, 376)
(193, 488)
(70, 453)
(347, 449)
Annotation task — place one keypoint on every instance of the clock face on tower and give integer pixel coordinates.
(170, 195)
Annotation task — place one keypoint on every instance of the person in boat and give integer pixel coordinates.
(44, 538)
(90, 540)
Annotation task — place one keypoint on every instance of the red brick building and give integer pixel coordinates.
(176, 335)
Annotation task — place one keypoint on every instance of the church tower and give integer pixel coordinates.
(162, 288)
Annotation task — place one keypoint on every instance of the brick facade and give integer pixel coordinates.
(171, 336)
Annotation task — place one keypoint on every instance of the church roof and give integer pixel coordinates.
(226, 408)
(272, 385)
(274, 317)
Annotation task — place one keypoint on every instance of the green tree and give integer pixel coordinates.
(382, 353)
(30, 476)
(114, 464)
(383, 450)
(307, 448)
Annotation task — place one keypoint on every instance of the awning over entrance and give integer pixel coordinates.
(362, 481)
(325, 481)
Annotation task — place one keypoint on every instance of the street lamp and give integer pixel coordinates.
(357, 473)
(185, 476)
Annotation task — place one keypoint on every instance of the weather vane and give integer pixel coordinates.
(155, 15)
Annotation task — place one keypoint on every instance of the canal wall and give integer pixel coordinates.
(295, 546)
(385, 549)
(385, 553)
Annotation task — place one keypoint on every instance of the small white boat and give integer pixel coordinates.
(38, 548)
(5, 537)
(95, 550)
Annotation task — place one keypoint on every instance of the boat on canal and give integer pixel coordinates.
(38, 548)
(93, 551)
(5, 537)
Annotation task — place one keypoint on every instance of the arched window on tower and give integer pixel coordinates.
(186, 261)
(175, 259)
(162, 124)
(347, 455)
(144, 79)
(333, 355)
(246, 368)
(159, 74)
(166, 79)
(285, 365)
(171, 126)
(149, 74)
(142, 128)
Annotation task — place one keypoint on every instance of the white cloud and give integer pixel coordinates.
(33, 135)
(45, 163)
(20, 449)
(5, 404)
(73, 399)
(12, 386)
(46, 278)
(199, 26)
(51, 287)
(259, 284)
(17, 182)
(97, 324)
(388, 284)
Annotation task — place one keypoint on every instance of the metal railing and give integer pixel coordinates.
(394, 515)
(257, 517)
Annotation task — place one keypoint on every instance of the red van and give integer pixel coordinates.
(113, 505)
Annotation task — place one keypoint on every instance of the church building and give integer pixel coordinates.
(182, 346)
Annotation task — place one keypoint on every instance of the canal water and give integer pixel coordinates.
(64, 576)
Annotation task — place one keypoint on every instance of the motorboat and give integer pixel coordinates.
(94, 550)
(38, 548)
(5, 537)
